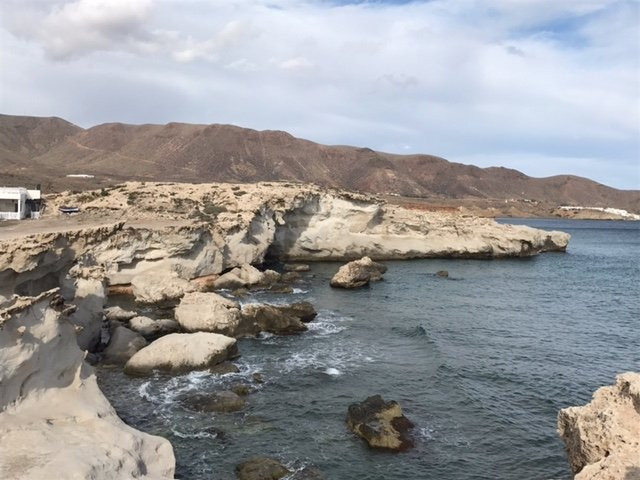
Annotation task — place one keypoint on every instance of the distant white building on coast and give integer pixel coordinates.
(614, 211)
(17, 203)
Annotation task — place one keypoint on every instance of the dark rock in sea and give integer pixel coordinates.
(224, 401)
(307, 473)
(261, 468)
(224, 368)
(278, 288)
(296, 267)
(382, 424)
(303, 310)
(240, 292)
(289, 277)
(241, 389)
(257, 377)
(271, 318)
(442, 273)
(217, 433)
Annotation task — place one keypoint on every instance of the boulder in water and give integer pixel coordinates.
(442, 273)
(221, 402)
(119, 313)
(124, 343)
(208, 312)
(182, 352)
(382, 424)
(259, 317)
(152, 329)
(358, 273)
(261, 468)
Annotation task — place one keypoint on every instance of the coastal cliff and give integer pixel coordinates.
(182, 232)
(602, 438)
(53, 416)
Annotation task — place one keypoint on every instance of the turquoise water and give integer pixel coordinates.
(481, 362)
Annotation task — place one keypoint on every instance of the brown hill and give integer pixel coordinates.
(44, 150)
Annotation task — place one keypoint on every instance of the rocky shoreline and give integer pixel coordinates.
(175, 244)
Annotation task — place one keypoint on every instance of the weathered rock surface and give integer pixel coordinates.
(358, 273)
(208, 312)
(222, 402)
(296, 267)
(119, 313)
(53, 417)
(261, 468)
(303, 310)
(156, 245)
(281, 320)
(181, 352)
(602, 438)
(123, 345)
(245, 276)
(380, 423)
(152, 329)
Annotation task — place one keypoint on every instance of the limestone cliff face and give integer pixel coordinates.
(187, 231)
(602, 438)
(53, 417)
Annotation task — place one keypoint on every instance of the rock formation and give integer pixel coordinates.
(261, 468)
(181, 352)
(602, 438)
(278, 319)
(53, 417)
(124, 343)
(358, 273)
(208, 312)
(152, 329)
(380, 423)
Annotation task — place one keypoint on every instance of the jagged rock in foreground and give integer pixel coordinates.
(54, 420)
(602, 438)
(161, 238)
(358, 273)
(181, 352)
(382, 424)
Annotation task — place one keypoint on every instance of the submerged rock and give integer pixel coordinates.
(380, 423)
(296, 267)
(358, 273)
(123, 345)
(602, 438)
(260, 317)
(181, 352)
(241, 389)
(224, 368)
(261, 468)
(208, 312)
(307, 473)
(222, 402)
(442, 273)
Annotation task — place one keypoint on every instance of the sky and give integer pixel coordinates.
(544, 86)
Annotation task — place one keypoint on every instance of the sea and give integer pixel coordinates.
(481, 362)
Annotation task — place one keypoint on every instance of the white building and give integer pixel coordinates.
(17, 203)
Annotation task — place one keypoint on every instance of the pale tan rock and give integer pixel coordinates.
(181, 352)
(119, 313)
(208, 312)
(53, 417)
(602, 438)
(152, 329)
(157, 288)
(358, 273)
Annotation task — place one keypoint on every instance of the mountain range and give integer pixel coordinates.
(44, 150)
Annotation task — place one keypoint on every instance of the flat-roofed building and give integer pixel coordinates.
(17, 203)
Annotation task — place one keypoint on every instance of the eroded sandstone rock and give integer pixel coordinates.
(53, 417)
(602, 438)
(123, 345)
(261, 317)
(208, 312)
(181, 352)
(382, 424)
(119, 313)
(157, 288)
(152, 329)
(358, 273)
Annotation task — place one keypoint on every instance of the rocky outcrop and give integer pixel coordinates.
(182, 352)
(261, 468)
(278, 319)
(245, 276)
(53, 417)
(358, 273)
(208, 312)
(161, 244)
(602, 438)
(124, 343)
(380, 423)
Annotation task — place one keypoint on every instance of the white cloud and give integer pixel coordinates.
(507, 79)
